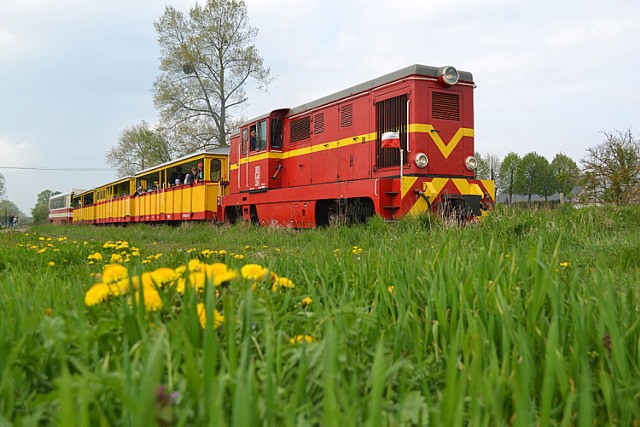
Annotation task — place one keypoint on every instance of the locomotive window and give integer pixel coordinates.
(216, 170)
(300, 129)
(262, 135)
(276, 133)
(245, 138)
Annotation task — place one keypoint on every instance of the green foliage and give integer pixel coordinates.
(207, 57)
(139, 147)
(40, 212)
(565, 173)
(525, 318)
(612, 170)
(508, 177)
(534, 176)
(8, 208)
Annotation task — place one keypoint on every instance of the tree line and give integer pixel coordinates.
(610, 172)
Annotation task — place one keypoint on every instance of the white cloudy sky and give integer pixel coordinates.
(551, 75)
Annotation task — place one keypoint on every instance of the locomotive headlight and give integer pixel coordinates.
(421, 160)
(448, 76)
(471, 163)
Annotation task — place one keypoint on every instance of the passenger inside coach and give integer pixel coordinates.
(177, 177)
(253, 143)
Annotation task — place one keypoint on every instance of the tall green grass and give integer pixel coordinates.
(527, 318)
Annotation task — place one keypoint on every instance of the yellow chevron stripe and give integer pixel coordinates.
(445, 149)
(464, 187)
(407, 183)
(431, 190)
(490, 185)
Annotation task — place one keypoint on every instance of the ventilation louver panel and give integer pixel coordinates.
(300, 129)
(318, 123)
(445, 106)
(346, 115)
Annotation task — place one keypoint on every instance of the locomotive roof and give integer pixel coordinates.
(412, 70)
(416, 69)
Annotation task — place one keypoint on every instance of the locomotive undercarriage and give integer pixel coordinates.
(343, 211)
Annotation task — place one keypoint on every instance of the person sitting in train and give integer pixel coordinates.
(199, 176)
(177, 177)
(188, 179)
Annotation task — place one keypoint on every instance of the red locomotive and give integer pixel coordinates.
(401, 144)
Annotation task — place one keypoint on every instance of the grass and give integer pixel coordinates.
(526, 318)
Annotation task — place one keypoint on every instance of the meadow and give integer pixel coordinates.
(527, 318)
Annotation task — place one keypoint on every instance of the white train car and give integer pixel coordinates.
(60, 208)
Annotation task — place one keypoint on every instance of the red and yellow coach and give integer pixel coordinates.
(153, 196)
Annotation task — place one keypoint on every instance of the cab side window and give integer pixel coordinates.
(245, 139)
(216, 170)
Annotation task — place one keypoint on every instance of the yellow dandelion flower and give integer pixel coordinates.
(222, 252)
(238, 256)
(195, 265)
(108, 245)
(247, 248)
(96, 294)
(114, 272)
(40, 238)
(390, 289)
(254, 271)
(306, 301)
(157, 256)
(206, 253)
(49, 245)
(564, 264)
(163, 276)
(282, 282)
(298, 339)
(122, 245)
(191, 250)
(146, 261)
(195, 279)
(122, 287)
(49, 239)
(135, 253)
(220, 273)
(56, 250)
(51, 263)
(152, 299)
(180, 270)
(218, 319)
(43, 250)
(116, 258)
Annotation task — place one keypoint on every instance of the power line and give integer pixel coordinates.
(60, 169)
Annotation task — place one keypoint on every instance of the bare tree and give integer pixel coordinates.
(208, 56)
(611, 170)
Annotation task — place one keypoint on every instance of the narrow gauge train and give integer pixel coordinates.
(401, 144)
